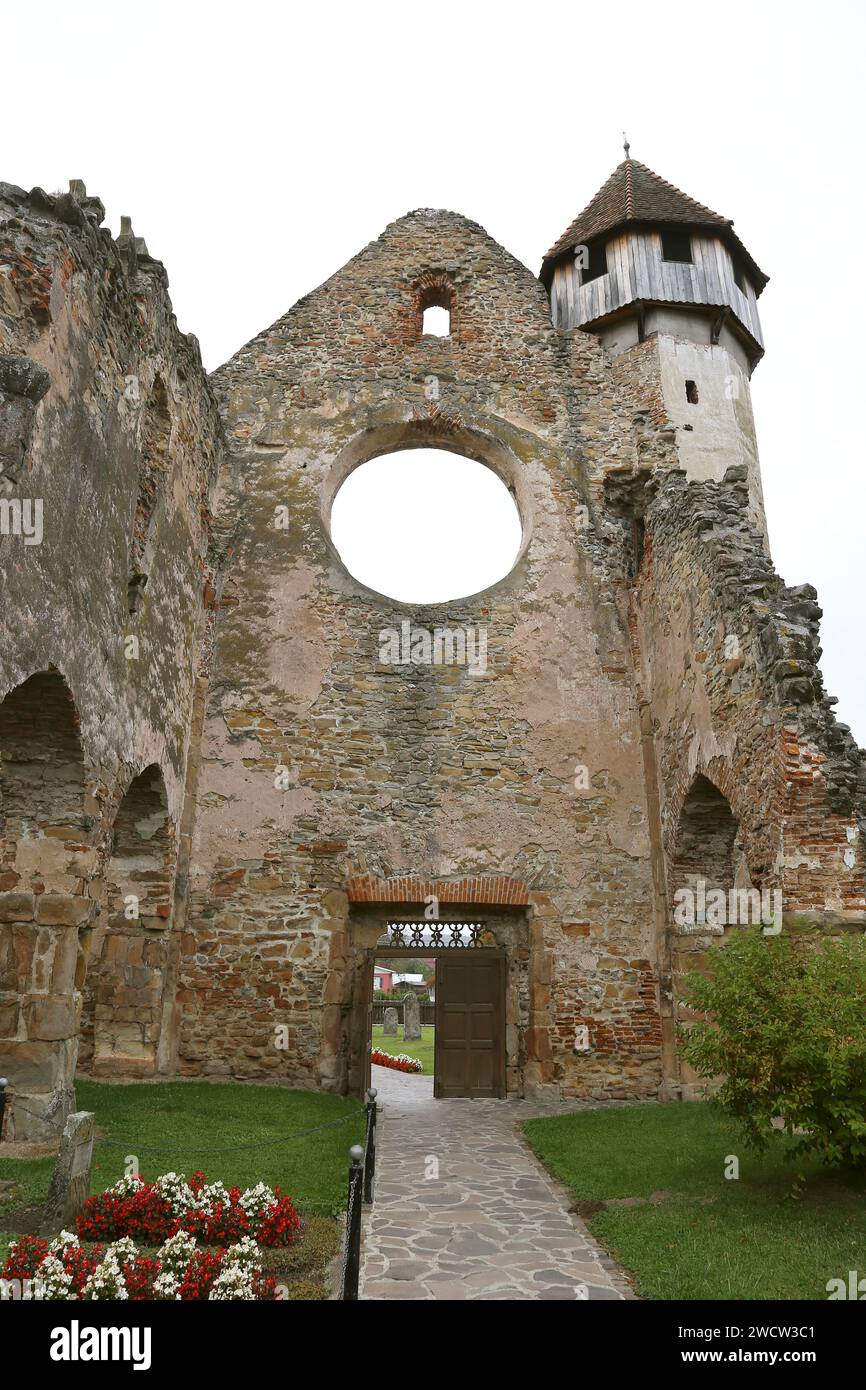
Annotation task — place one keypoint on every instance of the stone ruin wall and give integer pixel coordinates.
(106, 416)
(426, 771)
(317, 781)
(728, 661)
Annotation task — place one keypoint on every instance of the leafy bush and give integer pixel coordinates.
(787, 1030)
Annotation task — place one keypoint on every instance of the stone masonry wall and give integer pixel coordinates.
(215, 780)
(428, 770)
(105, 413)
(729, 663)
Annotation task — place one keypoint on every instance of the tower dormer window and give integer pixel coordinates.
(676, 246)
(739, 277)
(591, 260)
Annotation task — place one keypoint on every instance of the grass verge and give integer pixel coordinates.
(703, 1235)
(182, 1126)
(423, 1049)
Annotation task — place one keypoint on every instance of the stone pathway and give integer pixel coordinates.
(491, 1225)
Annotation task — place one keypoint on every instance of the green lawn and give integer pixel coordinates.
(713, 1237)
(422, 1049)
(184, 1120)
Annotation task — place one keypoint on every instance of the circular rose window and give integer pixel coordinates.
(425, 526)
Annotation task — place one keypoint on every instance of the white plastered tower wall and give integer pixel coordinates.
(716, 430)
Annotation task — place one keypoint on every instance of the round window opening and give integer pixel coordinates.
(425, 526)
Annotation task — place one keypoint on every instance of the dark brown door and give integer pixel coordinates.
(470, 1025)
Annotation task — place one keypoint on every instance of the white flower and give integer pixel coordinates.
(122, 1251)
(126, 1185)
(107, 1280)
(175, 1190)
(215, 1194)
(51, 1282)
(233, 1282)
(167, 1285)
(245, 1254)
(65, 1241)
(175, 1254)
(257, 1200)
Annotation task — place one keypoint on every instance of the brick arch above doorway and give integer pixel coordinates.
(494, 890)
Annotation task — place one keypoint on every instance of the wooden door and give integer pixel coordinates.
(470, 1024)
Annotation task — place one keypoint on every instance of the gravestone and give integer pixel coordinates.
(389, 1023)
(70, 1181)
(411, 1018)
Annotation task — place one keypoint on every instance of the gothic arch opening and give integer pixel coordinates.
(41, 766)
(703, 870)
(123, 1001)
(706, 839)
(44, 901)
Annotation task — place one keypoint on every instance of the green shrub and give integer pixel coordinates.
(787, 1030)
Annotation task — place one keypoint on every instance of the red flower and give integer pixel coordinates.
(141, 1275)
(25, 1257)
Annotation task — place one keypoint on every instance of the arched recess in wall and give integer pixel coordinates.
(41, 776)
(123, 996)
(706, 839)
(45, 903)
(426, 525)
(705, 860)
(155, 458)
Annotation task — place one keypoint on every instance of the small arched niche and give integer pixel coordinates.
(426, 525)
(706, 838)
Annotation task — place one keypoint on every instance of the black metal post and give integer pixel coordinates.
(370, 1146)
(3, 1084)
(352, 1262)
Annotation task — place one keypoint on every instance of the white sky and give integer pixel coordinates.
(258, 148)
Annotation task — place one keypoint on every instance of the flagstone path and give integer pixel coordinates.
(463, 1210)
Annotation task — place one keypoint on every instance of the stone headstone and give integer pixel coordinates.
(411, 1018)
(70, 1181)
(389, 1023)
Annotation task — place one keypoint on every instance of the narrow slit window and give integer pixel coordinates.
(739, 277)
(676, 246)
(692, 392)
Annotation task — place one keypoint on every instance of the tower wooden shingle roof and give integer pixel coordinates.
(634, 195)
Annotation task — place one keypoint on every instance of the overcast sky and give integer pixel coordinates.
(258, 148)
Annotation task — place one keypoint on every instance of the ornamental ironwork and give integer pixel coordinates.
(435, 935)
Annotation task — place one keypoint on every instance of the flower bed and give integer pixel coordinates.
(154, 1212)
(61, 1270)
(400, 1062)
